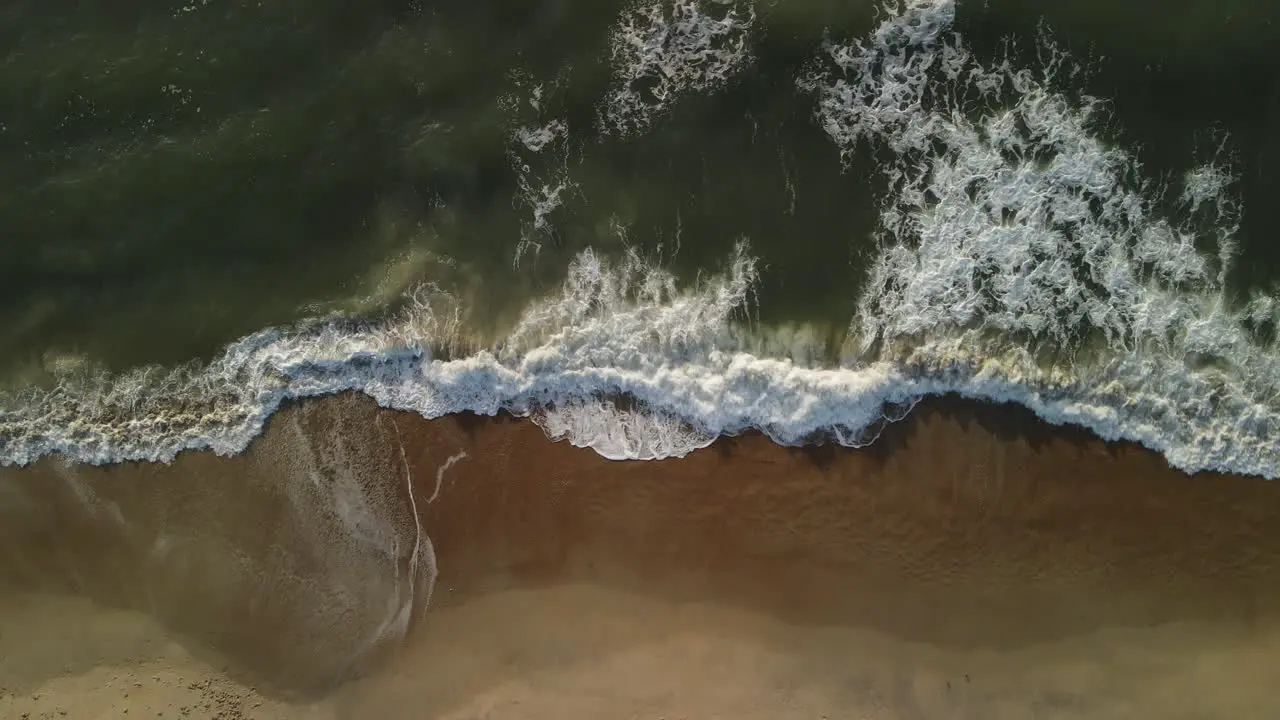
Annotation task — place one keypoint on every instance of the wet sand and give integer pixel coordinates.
(973, 563)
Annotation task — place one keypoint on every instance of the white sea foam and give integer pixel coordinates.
(1006, 233)
(539, 154)
(542, 191)
(1018, 223)
(661, 50)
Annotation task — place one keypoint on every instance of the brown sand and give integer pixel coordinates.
(972, 564)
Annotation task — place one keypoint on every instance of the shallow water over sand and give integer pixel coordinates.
(973, 563)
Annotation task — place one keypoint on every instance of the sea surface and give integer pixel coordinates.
(799, 217)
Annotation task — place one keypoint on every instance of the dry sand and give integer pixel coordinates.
(973, 564)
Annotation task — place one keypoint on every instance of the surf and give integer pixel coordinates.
(1021, 258)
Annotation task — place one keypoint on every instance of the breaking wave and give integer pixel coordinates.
(1022, 259)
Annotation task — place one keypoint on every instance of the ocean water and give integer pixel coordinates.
(304, 308)
(646, 225)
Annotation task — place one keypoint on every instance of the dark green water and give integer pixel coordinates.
(175, 177)
(1069, 206)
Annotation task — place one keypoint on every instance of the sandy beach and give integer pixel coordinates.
(973, 563)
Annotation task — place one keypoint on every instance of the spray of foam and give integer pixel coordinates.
(539, 151)
(620, 328)
(1015, 228)
(1021, 220)
(660, 51)
(542, 192)
(1003, 235)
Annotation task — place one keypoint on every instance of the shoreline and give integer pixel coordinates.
(967, 527)
(632, 411)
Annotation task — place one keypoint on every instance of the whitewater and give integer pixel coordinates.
(1021, 258)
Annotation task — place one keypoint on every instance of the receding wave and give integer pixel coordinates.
(1021, 258)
